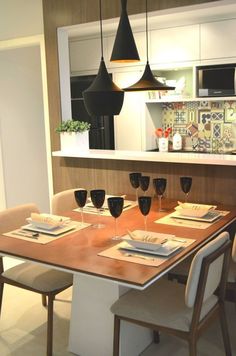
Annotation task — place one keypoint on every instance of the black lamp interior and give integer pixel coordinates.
(124, 49)
(148, 81)
(103, 97)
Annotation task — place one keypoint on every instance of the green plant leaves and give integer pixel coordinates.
(73, 126)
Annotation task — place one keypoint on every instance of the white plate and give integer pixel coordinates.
(147, 244)
(165, 250)
(210, 216)
(54, 232)
(194, 210)
(46, 226)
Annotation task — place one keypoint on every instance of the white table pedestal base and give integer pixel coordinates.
(91, 325)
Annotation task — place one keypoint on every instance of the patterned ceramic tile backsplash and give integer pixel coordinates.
(205, 126)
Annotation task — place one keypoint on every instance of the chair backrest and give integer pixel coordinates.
(64, 201)
(13, 218)
(234, 249)
(207, 264)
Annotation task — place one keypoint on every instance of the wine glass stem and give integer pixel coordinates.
(136, 192)
(98, 213)
(159, 198)
(82, 215)
(116, 230)
(186, 197)
(145, 222)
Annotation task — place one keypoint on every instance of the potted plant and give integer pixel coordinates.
(74, 135)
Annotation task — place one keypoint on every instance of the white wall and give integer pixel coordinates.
(20, 18)
(22, 127)
(25, 154)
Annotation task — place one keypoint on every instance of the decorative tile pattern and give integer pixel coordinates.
(216, 130)
(230, 114)
(217, 115)
(180, 117)
(204, 116)
(204, 125)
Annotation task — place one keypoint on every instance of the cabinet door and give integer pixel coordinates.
(174, 44)
(128, 124)
(218, 39)
(86, 54)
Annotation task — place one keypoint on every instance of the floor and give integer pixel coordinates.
(23, 329)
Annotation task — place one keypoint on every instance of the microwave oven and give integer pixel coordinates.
(216, 80)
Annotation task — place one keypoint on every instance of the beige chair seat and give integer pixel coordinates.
(39, 277)
(161, 304)
(46, 281)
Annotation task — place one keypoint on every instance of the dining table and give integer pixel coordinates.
(98, 281)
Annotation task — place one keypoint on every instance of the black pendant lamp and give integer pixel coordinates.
(124, 49)
(148, 81)
(103, 97)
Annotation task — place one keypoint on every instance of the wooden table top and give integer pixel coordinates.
(78, 251)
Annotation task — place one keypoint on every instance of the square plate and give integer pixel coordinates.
(211, 216)
(147, 240)
(166, 249)
(60, 230)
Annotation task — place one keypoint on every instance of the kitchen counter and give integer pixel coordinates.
(173, 157)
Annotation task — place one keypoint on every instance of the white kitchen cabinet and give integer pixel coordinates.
(218, 39)
(86, 54)
(177, 44)
(129, 125)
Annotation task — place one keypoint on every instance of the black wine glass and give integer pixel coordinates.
(81, 198)
(186, 184)
(160, 187)
(115, 205)
(144, 204)
(144, 183)
(134, 180)
(98, 198)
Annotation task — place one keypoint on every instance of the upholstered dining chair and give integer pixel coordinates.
(63, 201)
(181, 271)
(45, 281)
(182, 310)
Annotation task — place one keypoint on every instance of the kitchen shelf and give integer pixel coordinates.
(168, 157)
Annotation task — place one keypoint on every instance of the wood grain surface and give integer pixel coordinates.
(77, 252)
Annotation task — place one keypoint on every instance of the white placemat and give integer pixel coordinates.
(89, 209)
(171, 220)
(142, 258)
(43, 238)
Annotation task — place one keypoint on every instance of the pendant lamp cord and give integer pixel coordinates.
(147, 32)
(100, 15)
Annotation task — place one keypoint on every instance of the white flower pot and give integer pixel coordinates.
(74, 141)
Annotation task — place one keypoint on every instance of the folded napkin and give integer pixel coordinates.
(144, 237)
(194, 206)
(49, 219)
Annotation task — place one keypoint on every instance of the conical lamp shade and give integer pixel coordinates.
(103, 97)
(124, 49)
(148, 82)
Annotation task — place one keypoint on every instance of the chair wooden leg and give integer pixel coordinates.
(193, 347)
(224, 330)
(156, 337)
(1, 295)
(116, 339)
(50, 325)
(44, 300)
